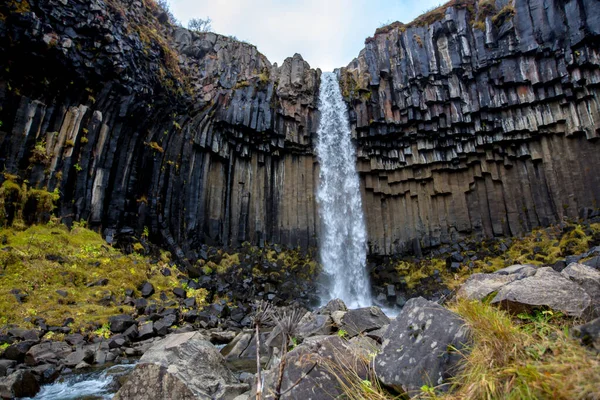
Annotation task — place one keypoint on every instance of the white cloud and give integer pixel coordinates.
(328, 33)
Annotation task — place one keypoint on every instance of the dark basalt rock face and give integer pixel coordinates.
(200, 138)
(463, 131)
(138, 123)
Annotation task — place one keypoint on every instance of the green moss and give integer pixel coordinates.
(45, 258)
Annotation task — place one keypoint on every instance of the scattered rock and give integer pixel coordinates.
(120, 323)
(147, 289)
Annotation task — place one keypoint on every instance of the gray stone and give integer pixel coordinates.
(479, 286)
(421, 347)
(589, 279)
(147, 289)
(181, 366)
(310, 370)
(547, 288)
(20, 383)
(332, 306)
(314, 324)
(145, 330)
(363, 320)
(120, 323)
(47, 352)
(79, 355)
(522, 270)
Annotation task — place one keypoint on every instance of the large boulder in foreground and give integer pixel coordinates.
(181, 367)
(421, 347)
(589, 279)
(547, 288)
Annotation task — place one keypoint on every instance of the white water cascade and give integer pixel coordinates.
(342, 247)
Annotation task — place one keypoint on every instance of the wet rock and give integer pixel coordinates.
(363, 320)
(426, 332)
(547, 288)
(19, 384)
(181, 366)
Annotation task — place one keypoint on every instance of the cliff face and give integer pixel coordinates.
(139, 123)
(477, 119)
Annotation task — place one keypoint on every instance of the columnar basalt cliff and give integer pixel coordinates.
(140, 123)
(477, 119)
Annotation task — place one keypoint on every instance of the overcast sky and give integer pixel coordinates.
(328, 33)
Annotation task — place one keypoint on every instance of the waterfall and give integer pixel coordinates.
(342, 247)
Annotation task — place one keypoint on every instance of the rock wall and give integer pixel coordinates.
(477, 119)
(140, 123)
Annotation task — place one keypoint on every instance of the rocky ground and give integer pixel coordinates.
(59, 318)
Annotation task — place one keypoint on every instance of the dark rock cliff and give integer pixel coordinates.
(473, 120)
(477, 119)
(139, 123)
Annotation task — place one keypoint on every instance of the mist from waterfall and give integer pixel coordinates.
(342, 247)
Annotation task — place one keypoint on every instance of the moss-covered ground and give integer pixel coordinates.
(46, 261)
(543, 246)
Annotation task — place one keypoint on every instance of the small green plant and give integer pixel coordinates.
(103, 331)
(3, 346)
(77, 167)
(342, 333)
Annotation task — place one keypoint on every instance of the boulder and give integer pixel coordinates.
(17, 351)
(363, 320)
(147, 289)
(479, 286)
(547, 288)
(181, 366)
(120, 323)
(421, 347)
(145, 331)
(314, 324)
(310, 370)
(47, 352)
(5, 365)
(332, 306)
(20, 383)
(78, 356)
(589, 279)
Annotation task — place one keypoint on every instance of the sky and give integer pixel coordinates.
(327, 33)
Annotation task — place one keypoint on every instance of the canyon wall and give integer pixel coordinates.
(477, 119)
(139, 123)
